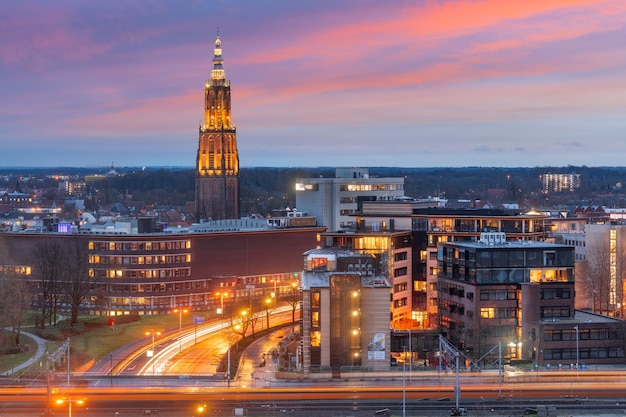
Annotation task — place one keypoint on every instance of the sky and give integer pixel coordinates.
(350, 83)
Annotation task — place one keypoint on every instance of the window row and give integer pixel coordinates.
(556, 293)
(584, 353)
(494, 295)
(140, 273)
(139, 246)
(139, 288)
(498, 313)
(400, 272)
(555, 312)
(583, 334)
(139, 260)
(371, 187)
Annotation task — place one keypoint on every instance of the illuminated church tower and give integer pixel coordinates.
(217, 162)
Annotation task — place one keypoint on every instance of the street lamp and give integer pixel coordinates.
(576, 328)
(180, 312)
(151, 352)
(275, 294)
(404, 382)
(268, 301)
(69, 401)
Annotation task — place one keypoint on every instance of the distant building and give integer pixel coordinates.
(217, 161)
(334, 200)
(555, 183)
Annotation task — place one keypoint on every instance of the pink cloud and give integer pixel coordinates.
(359, 55)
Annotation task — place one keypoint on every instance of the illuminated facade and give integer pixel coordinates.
(153, 273)
(217, 161)
(605, 279)
(560, 182)
(395, 255)
(519, 295)
(345, 313)
(335, 201)
(432, 226)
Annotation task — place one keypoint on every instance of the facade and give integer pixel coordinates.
(600, 248)
(393, 251)
(519, 295)
(153, 273)
(431, 226)
(345, 313)
(334, 201)
(217, 161)
(560, 182)
(605, 249)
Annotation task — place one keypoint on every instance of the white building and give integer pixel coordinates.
(334, 200)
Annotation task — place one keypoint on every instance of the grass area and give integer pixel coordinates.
(100, 342)
(9, 361)
(97, 340)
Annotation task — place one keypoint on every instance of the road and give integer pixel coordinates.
(256, 390)
(417, 399)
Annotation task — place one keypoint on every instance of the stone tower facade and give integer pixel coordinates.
(217, 162)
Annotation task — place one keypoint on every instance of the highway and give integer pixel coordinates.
(420, 399)
(181, 376)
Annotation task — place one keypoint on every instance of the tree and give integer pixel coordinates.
(47, 265)
(76, 281)
(597, 280)
(293, 299)
(14, 296)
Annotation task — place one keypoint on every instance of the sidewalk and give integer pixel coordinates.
(41, 351)
(250, 373)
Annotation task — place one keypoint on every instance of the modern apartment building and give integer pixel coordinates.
(432, 226)
(153, 273)
(393, 251)
(334, 201)
(519, 295)
(345, 313)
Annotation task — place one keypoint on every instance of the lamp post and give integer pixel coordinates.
(228, 361)
(410, 357)
(576, 328)
(180, 312)
(275, 294)
(151, 353)
(404, 382)
(220, 311)
(69, 401)
(268, 301)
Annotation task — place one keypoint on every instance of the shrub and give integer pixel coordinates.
(51, 333)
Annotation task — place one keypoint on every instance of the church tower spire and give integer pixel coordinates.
(217, 162)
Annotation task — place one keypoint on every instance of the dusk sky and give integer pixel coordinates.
(497, 83)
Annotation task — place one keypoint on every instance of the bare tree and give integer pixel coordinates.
(599, 275)
(47, 265)
(76, 281)
(293, 299)
(14, 297)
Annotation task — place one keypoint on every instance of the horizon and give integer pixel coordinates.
(452, 83)
(109, 167)
(115, 167)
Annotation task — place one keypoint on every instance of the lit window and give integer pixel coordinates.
(487, 312)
